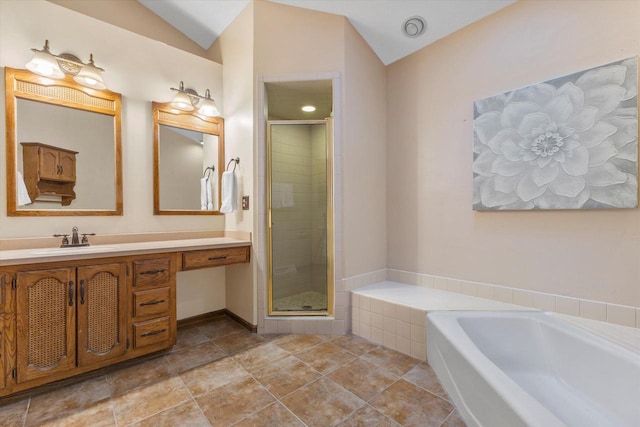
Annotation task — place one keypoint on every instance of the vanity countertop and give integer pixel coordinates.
(42, 255)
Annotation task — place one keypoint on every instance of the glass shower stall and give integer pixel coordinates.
(299, 203)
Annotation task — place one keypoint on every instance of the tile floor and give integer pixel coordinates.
(219, 374)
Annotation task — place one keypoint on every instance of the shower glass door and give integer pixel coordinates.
(299, 217)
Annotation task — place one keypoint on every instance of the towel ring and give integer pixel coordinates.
(209, 169)
(236, 160)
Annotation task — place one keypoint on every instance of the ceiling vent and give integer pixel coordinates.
(414, 26)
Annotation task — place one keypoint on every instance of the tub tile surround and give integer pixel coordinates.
(379, 307)
(595, 310)
(403, 322)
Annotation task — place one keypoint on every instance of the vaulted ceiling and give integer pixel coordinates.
(380, 22)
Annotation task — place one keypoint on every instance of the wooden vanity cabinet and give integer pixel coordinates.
(46, 322)
(59, 319)
(215, 257)
(68, 317)
(102, 312)
(153, 325)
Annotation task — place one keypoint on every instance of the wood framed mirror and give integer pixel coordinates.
(64, 150)
(188, 161)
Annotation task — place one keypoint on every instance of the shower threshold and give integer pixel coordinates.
(304, 301)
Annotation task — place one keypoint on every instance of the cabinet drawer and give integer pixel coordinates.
(152, 272)
(152, 332)
(151, 302)
(214, 257)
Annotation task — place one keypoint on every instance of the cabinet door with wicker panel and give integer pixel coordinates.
(46, 322)
(102, 312)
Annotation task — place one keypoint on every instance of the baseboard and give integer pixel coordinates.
(200, 318)
(190, 321)
(247, 325)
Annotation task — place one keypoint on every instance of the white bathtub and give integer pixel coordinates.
(509, 369)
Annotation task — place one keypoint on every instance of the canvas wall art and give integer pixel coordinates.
(568, 143)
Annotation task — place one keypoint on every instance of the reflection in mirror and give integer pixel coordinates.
(188, 162)
(88, 134)
(63, 147)
(185, 156)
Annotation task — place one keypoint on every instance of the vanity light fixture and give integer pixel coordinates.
(209, 107)
(188, 99)
(308, 108)
(182, 101)
(46, 64)
(90, 75)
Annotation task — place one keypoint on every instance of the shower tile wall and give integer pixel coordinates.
(296, 240)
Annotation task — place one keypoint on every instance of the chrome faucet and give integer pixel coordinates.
(75, 239)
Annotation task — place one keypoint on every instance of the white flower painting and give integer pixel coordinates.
(569, 143)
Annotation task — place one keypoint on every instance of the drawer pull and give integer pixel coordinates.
(217, 258)
(152, 302)
(161, 270)
(148, 334)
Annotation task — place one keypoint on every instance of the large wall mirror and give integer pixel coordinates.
(188, 151)
(63, 147)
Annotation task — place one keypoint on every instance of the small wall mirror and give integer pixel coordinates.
(188, 154)
(63, 147)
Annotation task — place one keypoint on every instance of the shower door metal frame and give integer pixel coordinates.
(330, 241)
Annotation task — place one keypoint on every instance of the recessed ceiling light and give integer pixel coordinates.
(308, 108)
(414, 26)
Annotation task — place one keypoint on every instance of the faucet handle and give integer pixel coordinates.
(85, 239)
(65, 239)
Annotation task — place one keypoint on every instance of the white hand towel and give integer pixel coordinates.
(229, 192)
(205, 193)
(21, 191)
(209, 198)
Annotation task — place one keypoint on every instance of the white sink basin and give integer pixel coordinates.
(72, 251)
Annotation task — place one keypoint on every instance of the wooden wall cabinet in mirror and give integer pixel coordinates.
(63, 147)
(188, 161)
(49, 171)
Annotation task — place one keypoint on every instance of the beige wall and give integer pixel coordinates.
(431, 227)
(142, 70)
(364, 166)
(134, 16)
(235, 46)
(292, 40)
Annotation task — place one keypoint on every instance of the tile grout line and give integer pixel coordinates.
(448, 416)
(277, 401)
(193, 398)
(26, 412)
